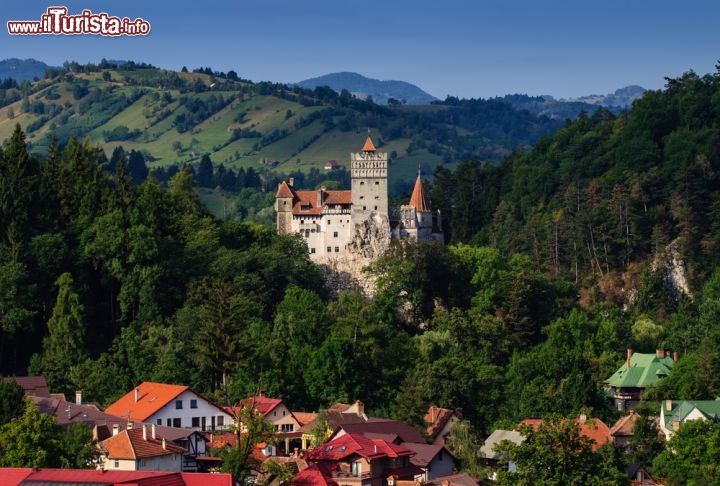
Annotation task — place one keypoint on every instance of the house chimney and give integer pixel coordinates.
(432, 414)
(583, 418)
(291, 181)
(78, 397)
(130, 426)
(629, 355)
(668, 405)
(261, 392)
(660, 353)
(675, 356)
(137, 394)
(360, 408)
(152, 431)
(144, 432)
(116, 429)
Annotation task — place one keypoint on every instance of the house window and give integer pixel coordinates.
(158, 421)
(355, 468)
(117, 464)
(283, 413)
(312, 250)
(193, 403)
(177, 422)
(169, 422)
(287, 427)
(196, 422)
(178, 404)
(220, 421)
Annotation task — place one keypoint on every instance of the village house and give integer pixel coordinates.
(639, 371)
(674, 413)
(492, 458)
(439, 422)
(140, 450)
(170, 405)
(592, 428)
(273, 410)
(355, 460)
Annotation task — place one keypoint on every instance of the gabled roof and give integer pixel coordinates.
(405, 432)
(306, 202)
(67, 413)
(592, 428)
(34, 386)
(436, 418)
(305, 417)
(424, 453)
(495, 438)
(418, 199)
(369, 145)
(151, 398)
(94, 477)
(130, 444)
(679, 410)
(350, 444)
(261, 403)
(312, 476)
(643, 370)
(461, 479)
(625, 425)
(284, 190)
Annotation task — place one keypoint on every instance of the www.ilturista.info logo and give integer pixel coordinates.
(57, 21)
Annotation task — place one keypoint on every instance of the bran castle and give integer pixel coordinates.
(340, 225)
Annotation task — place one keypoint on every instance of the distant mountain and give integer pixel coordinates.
(362, 87)
(621, 98)
(22, 69)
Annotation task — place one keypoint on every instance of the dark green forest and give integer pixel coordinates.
(558, 259)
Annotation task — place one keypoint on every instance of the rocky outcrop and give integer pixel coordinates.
(370, 241)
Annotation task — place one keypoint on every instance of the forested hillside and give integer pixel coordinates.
(559, 259)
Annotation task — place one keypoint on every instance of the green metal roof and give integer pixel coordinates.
(645, 369)
(681, 409)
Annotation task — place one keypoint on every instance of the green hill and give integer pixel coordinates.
(174, 118)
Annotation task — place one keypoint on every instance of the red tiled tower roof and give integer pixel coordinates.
(369, 146)
(418, 199)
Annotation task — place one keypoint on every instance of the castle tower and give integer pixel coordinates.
(423, 215)
(368, 170)
(284, 200)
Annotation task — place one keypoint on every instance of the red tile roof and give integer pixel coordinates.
(436, 418)
(424, 453)
(95, 477)
(153, 397)
(129, 444)
(369, 145)
(418, 199)
(312, 476)
(305, 417)
(625, 425)
(350, 444)
(405, 432)
(306, 202)
(594, 429)
(284, 190)
(206, 479)
(12, 476)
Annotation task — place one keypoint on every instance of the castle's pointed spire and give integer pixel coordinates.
(418, 199)
(369, 146)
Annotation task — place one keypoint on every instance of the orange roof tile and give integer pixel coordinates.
(625, 425)
(436, 418)
(130, 444)
(305, 417)
(284, 190)
(369, 146)
(306, 203)
(418, 199)
(594, 429)
(152, 397)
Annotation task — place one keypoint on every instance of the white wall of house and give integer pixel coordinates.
(282, 419)
(170, 462)
(189, 410)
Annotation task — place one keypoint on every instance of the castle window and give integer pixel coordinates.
(375, 208)
(377, 197)
(362, 183)
(335, 233)
(362, 197)
(312, 250)
(337, 249)
(329, 249)
(377, 183)
(364, 208)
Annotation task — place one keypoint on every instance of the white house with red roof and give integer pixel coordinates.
(273, 410)
(140, 449)
(172, 406)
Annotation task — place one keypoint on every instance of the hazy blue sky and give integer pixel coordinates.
(465, 48)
